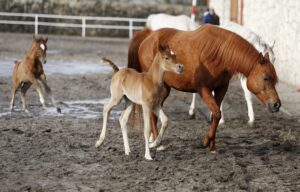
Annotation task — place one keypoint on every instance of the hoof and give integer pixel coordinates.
(58, 110)
(99, 143)
(193, 116)
(251, 123)
(213, 152)
(221, 122)
(148, 158)
(152, 145)
(203, 146)
(127, 153)
(161, 148)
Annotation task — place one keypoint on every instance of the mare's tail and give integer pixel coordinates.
(133, 62)
(114, 66)
(137, 39)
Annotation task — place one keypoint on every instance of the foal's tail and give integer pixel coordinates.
(133, 62)
(114, 66)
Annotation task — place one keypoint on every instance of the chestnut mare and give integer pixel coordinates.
(211, 56)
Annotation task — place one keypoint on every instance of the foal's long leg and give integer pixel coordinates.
(165, 94)
(12, 102)
(114, 100)
(123, 122)
(38, 88)
(248, 98)
(49, 92)
(146, 114)
(164, 124)
(24, 89)
(192, 106)
(213, 103)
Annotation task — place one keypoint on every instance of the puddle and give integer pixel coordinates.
(60, 67)
(81, 109)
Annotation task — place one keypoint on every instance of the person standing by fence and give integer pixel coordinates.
(210, 17)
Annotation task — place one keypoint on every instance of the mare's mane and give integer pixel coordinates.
(221, 48)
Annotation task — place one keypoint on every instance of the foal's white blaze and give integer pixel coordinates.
(42, 46)
(172, 53)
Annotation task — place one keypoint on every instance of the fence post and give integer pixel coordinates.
(36, 25)
(83, 27)
(130, 28)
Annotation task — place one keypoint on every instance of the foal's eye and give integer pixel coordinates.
(166, 58)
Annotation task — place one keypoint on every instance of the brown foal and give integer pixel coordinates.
(141, 88)
(30, 71)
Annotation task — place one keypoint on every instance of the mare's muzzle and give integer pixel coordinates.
(274, 107)
(179, 68)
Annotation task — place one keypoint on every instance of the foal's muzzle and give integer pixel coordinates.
(179, 68)
(274, 107)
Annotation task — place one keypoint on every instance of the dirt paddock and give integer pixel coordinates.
(46, 151)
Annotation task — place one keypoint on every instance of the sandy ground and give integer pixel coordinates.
(46, 151)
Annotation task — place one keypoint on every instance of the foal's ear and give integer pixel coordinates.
(261, 58)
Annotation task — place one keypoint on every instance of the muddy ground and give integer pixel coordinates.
(45, 151)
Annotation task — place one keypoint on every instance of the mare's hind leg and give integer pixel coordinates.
(248, 98)
(49, 92)
(115, 99)
(123, 122)
(24, 89)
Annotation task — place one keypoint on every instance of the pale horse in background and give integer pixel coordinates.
(162, 20)
(183, 22)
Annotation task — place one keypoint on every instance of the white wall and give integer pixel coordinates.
(273, 20)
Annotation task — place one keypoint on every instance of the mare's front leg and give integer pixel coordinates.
(213, 103)
(49, 92)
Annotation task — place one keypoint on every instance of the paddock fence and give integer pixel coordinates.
(67, 21)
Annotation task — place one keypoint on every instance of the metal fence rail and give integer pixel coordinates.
(83, 19)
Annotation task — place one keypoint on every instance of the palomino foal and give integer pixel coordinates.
(30, 71)
(141, 88)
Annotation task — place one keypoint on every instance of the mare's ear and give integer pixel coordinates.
(261, 58)
(46, 39)
(161, 47)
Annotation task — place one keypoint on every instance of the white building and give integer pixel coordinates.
(272, 20)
